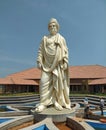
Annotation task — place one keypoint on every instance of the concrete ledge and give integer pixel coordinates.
(15, 122)
(14, 113)
(48, 122)
(55, 115)
(78, 124)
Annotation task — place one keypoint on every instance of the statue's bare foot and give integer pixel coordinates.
(57, 106)
(68, 107)
(40, 108)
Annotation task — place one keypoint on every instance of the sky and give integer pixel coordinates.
(23, 23)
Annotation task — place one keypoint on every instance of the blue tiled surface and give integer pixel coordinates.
(42, 127)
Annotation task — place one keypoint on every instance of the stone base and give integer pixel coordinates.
(56, 115)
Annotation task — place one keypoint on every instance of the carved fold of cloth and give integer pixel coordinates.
(54, 84)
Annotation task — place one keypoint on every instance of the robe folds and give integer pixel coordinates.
(54, 83)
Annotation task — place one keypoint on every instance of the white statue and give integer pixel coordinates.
(53, 62)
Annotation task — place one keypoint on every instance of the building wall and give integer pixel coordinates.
(76, 86)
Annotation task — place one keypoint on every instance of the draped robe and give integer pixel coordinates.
(54, 83)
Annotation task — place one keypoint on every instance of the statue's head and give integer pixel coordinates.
(54, 22)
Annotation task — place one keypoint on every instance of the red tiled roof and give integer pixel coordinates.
(17, 81)
(88, 71)
(98, 81)
(5, 81)
(24, 81)
(30, 75)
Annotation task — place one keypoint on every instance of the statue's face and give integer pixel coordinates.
(53, 28)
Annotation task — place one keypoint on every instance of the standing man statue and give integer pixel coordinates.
(53, 62)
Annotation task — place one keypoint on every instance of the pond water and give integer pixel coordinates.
(42, 127)
(5, 119)
(96, 125)
(99, 112)
(5, 108)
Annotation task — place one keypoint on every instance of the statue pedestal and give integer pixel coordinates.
(56, 115)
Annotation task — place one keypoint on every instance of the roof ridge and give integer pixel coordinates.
(88, 65)
(21, 71)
